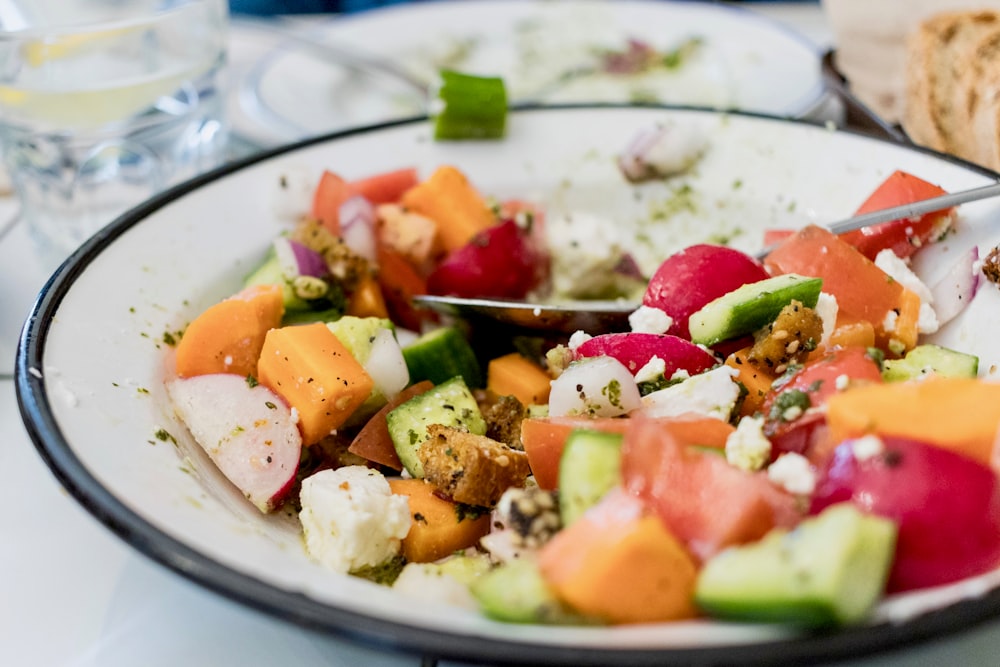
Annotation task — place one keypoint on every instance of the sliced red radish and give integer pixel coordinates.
(690, 278)
(598, 386)
(249, 433)
(635, 349)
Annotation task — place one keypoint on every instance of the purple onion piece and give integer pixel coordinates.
(632, 161)
(297, 259)
(628, 267)
(956, 289)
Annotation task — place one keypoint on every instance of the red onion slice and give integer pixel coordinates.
(957, 287)
(297, 259)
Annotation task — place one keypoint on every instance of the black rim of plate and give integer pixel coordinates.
(375, 632)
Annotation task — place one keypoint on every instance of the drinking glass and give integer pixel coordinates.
(103, 103)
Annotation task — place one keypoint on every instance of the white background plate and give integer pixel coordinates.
(89, 376)
(748, 62)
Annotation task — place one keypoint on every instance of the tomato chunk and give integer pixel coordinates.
(904, 237)
(703, 500)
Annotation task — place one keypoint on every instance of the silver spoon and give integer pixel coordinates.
(596, 317)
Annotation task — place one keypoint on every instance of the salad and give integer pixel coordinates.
(772, 440)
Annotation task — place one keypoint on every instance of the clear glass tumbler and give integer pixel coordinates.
(103, 103)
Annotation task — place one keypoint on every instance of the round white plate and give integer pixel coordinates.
(745, 61)
(90, 367)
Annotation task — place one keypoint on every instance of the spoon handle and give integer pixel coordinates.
(916, 208)
(903, 211)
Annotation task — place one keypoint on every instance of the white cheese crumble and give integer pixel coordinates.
(791, 413)
(712, 393)
(897, 268)
(350, 518)
(842, 382)
(577, 339)
(646, 319)
(889, 323)
(827, 309)
(793, 473)
(651, 370)
(867, 447)
(747, 447)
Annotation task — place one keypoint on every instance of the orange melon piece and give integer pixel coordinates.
(228, 337)
(620, 564)
(439, 527)
(313, 372)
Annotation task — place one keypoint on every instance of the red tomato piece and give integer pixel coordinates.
(704, 501)
(904, 237)
(373, 441)
(500, 261)
(387, 187)
(331, 192)
(544, 439)
(400, 281)
(819, 379)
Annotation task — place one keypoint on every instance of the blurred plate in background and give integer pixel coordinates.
(700, 54)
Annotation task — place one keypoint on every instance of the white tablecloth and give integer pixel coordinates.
(71, 593)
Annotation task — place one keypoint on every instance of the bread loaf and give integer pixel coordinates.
(870, 37)
(952, 83)
(980, 90)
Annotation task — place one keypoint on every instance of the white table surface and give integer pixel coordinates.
(72, 593)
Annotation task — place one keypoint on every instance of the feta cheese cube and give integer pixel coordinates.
(747, 447)
(646, 319)
(351, 518)
(794, 473)
(713, 393)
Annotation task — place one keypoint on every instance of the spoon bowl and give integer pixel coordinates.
(605, 316)
(565, 317)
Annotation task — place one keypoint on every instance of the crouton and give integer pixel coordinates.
(468, 468)
(786, 340)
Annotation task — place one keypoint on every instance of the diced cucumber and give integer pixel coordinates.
(515, 592)
(449, 403)
(926, 359)
(442, 354)
(829, 570)
(750, 307)
(472, 107)
(358, 333)
(589, 467)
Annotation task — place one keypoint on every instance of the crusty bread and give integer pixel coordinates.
(979, 97)
(870, 38)
(940, 55)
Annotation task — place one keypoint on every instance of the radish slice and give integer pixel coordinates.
(357, 226)
(597, 386)
(297, 259)
(957, 287)
(249, 433)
